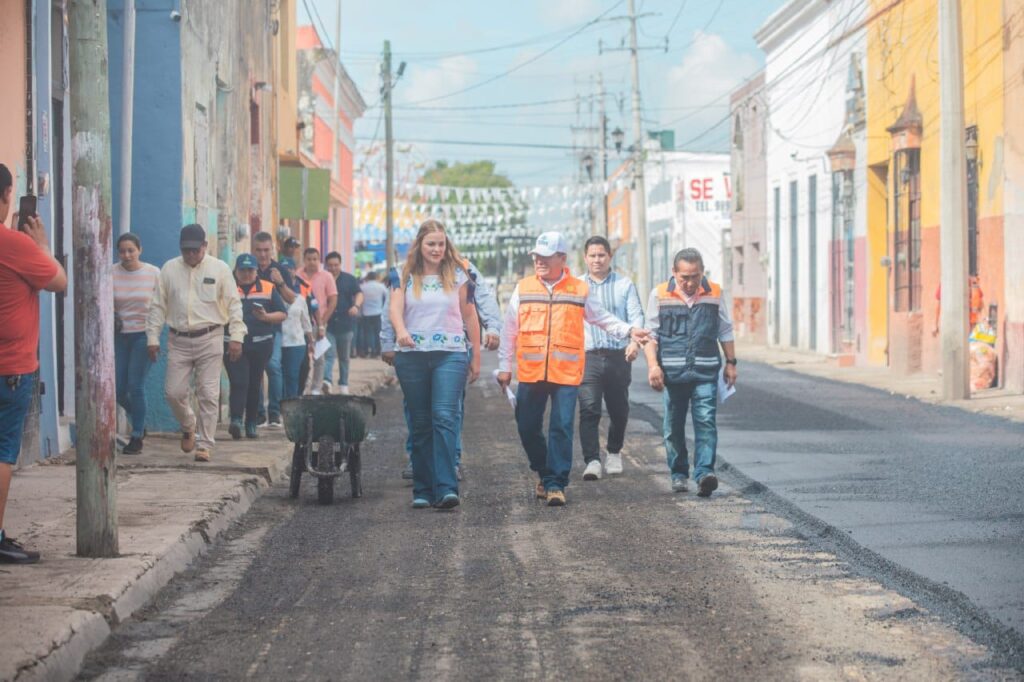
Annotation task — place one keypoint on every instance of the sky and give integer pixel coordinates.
(546, 54)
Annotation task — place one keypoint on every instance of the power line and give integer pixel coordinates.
(527, 145)
(682, 6)
(523, 64)
(491, 106)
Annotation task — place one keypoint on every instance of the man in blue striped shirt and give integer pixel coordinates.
(608, 370)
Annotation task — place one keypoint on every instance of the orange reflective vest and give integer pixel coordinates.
(550, 345)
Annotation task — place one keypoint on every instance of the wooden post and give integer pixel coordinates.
(94, 302)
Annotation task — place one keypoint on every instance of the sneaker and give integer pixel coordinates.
(235, 429)
(325, 388)
(593, 470)
(707, 485)
(613, 463)
(275, 422)
(134, 447)
(449, 501)
(541, 492)
(343, 389)
(680, 484)
(202, 455)
(556, 498)
(250, 430)
(188, 441)
(262, 421)
(420, 503)
(407, 472)
(11, 552)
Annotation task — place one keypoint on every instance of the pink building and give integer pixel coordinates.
(325, 127)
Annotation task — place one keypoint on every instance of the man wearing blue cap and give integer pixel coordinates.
(196, 296)
(543, 335)
(263, 310)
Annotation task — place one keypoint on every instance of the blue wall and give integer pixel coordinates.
(156, 149)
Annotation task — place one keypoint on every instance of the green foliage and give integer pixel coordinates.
(474, 174)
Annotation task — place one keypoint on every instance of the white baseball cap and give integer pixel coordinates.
(548, 244)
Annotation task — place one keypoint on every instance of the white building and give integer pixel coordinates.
(815, 52)
(688, 206)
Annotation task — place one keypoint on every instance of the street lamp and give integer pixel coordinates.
(617, 137)
(588, 165)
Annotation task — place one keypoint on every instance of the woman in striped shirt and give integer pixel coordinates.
(134, 282)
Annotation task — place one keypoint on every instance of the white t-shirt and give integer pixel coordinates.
(133, 291)
(297, 325)
(434, 320)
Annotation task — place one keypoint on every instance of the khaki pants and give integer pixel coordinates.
(203, 357)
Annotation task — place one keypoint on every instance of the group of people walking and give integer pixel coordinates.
(569, 340)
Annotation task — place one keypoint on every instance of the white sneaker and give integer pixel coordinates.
(593, 471)
(613, 464)
(343, 389)
(325, 388)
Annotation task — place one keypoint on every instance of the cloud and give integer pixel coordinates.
(426, 82)
(709, 70)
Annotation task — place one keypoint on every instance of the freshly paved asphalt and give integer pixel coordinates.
(934, 493)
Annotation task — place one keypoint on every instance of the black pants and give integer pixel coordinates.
(368, 336)
(246, 376)
(607, 375)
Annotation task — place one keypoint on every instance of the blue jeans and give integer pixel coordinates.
(274, 381)
(291, 363)
(14, 403)
(341, 346)
(432, 382)
(458, 435)
(703, 397)
(550, 458)
(131, 365)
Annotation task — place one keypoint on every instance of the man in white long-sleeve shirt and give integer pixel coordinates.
(543, 332)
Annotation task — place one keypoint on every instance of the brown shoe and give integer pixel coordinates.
(556, 498)
(202, 455)
(188, 441)
(542, 494)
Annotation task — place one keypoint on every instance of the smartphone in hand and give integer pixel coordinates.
(26, 210)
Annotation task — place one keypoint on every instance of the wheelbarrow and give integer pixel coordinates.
(327, 431)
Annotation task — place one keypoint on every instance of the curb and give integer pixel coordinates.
(91, 628)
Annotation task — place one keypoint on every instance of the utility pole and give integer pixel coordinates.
(953, 206)
(603, 149)
(95, 463)
(389, 143)
(124, 223)
(335, 224)
(644, 275)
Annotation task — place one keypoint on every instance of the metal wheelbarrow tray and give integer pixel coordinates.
(327, 431)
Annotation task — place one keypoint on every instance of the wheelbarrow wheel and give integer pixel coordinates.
(298, 465)
(325, 489)
(355, 470)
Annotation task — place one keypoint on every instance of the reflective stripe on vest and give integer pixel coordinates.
(688, 336)
(550, 342)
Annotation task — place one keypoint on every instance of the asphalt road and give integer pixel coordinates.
(628, 581)
(935, 493)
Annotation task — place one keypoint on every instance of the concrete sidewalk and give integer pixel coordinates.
(924, 387)
(170, 509)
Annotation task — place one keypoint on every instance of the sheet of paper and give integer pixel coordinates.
(509, 393)
(725, 391)
(321, 347)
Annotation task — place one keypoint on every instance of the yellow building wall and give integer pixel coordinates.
(903, 47)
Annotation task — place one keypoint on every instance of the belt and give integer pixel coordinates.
(607, 351)
(196, 333)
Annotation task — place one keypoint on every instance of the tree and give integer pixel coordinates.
(473, 174)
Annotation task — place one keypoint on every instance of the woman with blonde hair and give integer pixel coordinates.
(433, 313)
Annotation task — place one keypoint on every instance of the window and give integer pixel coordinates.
(842, 261)
(972, 199)
(794, 264)
(812, 255)
(907, 230)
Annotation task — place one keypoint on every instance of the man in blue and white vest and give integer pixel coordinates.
(689, 319)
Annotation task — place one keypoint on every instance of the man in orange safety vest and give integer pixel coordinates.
(543, 332)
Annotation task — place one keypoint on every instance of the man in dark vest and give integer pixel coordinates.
(689, 318)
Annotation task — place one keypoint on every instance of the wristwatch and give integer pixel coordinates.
(731, 361)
